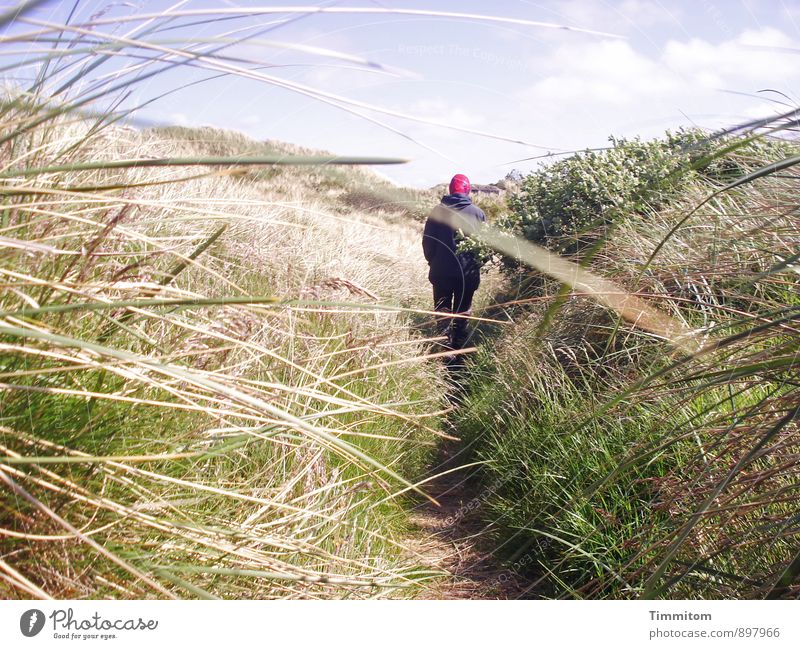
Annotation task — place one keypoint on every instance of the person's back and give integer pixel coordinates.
(455, 276)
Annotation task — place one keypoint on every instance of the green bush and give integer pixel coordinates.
(569, 203)
(560, 205)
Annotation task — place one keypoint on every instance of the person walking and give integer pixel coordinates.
(455, 275)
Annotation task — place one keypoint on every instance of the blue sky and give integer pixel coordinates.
(704, 63)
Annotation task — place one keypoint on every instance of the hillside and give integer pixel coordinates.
(203, 392)
(624, 457)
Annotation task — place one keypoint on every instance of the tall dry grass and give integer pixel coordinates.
(211, 385)
(633, 467)
(202, 394)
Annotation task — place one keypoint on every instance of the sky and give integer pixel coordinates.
(654, 65)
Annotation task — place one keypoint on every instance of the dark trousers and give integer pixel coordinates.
(453, 295)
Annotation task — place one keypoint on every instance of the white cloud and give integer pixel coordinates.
(608, 72)
(587, 92)
(747, 59)
(579, 93)
(439, 110)
(612, 83)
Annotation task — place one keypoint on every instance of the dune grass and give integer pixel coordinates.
(182, 414)
(204, 392)
(634, 468)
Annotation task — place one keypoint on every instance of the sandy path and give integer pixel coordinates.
(453, 539)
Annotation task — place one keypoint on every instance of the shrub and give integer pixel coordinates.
(558, 205)
(569, 204)
(639, 471)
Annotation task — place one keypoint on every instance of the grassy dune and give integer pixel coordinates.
(618, 465)
(160, 441)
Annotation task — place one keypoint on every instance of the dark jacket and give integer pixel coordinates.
(439, 242)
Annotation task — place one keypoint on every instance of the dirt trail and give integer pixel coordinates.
(453, 539)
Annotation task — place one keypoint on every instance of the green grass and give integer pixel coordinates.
(180, 387)
(627, 466)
